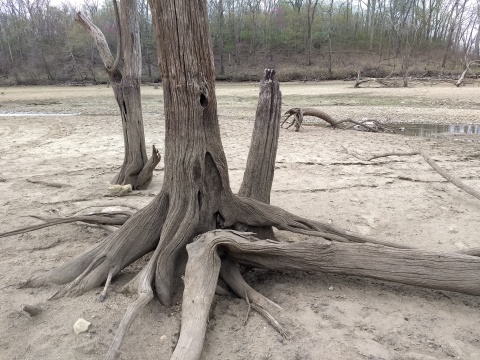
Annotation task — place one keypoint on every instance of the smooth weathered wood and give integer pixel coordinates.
(299, 113)
(461, 79)
(260, 168)
(201, 278)
(443, 271)
(453, 179)
(115, 218)
(434, 270)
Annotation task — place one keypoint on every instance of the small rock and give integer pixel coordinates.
(163, 337)
(330, 288)
(81, 326)
(31, 310)
(119, 190)
(453, 230)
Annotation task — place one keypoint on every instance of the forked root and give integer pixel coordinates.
(173, 236)
(255, 213)
(230, 273)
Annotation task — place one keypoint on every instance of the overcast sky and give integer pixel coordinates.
(76, 3)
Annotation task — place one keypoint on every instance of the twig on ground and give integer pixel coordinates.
(249, 308)
(47, 183)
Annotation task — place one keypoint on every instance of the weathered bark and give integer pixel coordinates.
(258, 176)
(136, 169)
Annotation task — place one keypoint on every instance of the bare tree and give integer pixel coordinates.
(137, 169)
(311, 7)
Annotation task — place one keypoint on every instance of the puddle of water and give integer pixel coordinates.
(20, 114)
(428, 130)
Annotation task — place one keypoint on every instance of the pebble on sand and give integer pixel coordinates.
(81, 326)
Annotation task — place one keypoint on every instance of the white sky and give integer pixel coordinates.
(76, 3)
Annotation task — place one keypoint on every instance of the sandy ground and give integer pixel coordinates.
(318, 176)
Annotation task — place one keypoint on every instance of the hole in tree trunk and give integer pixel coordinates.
(220, 221)
(199, 199)
(203, 100)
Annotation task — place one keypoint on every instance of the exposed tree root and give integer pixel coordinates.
(117, 251)
(103, 218)
(103, 294)
(412, 267)
(230, 273)
(255, 213)
(139, 180)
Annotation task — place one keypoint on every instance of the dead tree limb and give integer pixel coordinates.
(442, 172)
(461, 79)
(137, 168)
(299, 113)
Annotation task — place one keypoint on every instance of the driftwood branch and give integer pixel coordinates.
(100, 41)
(299, 113)
(442, 172)
(461, 79)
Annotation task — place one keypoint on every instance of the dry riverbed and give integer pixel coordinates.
(319, 175)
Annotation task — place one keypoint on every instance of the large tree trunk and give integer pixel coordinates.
(137, 169)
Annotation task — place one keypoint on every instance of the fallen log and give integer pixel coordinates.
(299, 113)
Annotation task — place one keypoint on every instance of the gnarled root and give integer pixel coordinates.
(137, 237)
(412, 267)
(174, 237)
(141, 177)
(230, 273)
(255, 213)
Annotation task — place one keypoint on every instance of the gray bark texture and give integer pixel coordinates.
(260, 169)
(137, 169)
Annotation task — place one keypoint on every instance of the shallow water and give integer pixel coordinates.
(22, 114)
(428, 130)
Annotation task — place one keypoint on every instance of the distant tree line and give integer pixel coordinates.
(40, 43)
